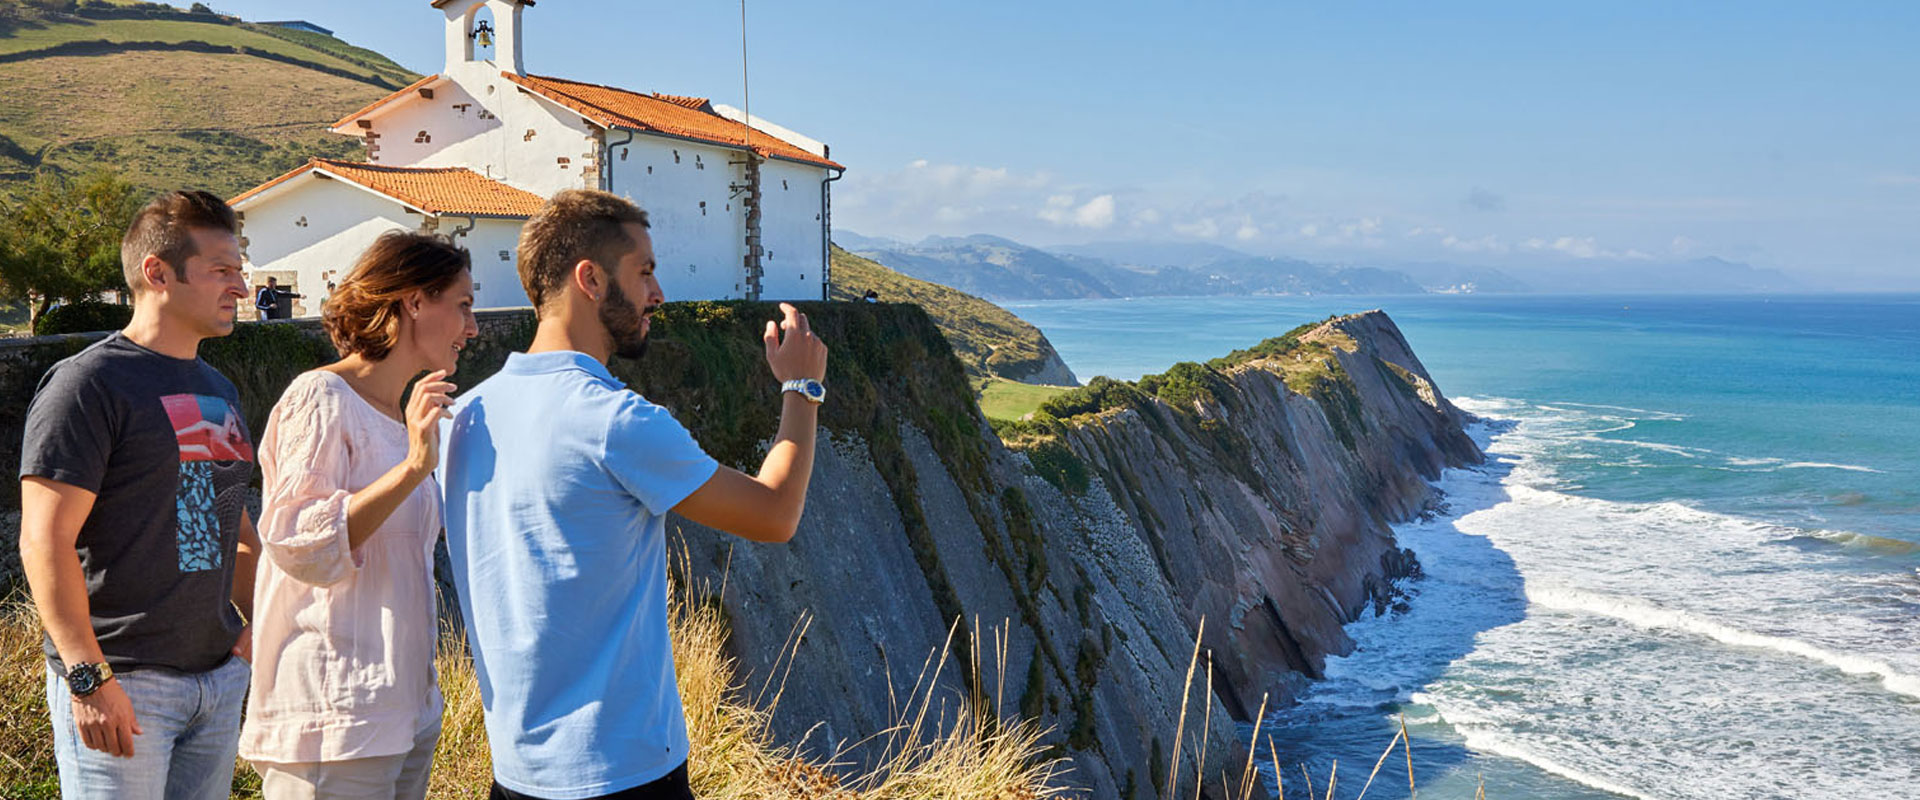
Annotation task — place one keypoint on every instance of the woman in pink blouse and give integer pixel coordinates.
(344, 700)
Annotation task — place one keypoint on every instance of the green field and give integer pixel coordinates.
(1004, 399)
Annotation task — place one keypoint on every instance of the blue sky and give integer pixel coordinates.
(1786, 135)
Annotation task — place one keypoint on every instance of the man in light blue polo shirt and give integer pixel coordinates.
(558, 481)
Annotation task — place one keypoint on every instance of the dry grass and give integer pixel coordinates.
(224, 123)
(939, 748)
(26, 735)
(941, 745)
(927, 755)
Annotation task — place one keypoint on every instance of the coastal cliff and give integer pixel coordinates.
(1087, 547)
(1253, 492)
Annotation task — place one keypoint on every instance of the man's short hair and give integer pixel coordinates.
(575, 225)
(165, 229)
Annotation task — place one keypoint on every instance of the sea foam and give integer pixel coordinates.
(1643, 649)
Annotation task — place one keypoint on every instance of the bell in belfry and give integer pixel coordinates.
(483, 34)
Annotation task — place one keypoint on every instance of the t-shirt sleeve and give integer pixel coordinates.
(69, 430)
(653, 456)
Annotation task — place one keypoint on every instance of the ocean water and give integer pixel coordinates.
(1689, 569)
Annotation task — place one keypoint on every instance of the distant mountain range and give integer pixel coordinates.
(1002, 269)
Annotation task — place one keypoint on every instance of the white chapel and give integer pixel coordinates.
(740, 207)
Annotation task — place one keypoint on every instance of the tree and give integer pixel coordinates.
(61, 241)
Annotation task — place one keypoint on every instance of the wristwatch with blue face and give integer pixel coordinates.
(808, 388)
(85, 679)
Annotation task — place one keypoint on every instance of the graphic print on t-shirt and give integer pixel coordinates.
(212, 446)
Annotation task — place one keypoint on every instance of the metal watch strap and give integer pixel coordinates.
(805, 387)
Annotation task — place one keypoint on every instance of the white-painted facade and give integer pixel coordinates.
(475, 117)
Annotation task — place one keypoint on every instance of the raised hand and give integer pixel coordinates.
(425, 409)
(792, 350)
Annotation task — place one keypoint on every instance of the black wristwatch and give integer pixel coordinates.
(85, 679)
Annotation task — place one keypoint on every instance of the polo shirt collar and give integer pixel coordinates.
(558, 361)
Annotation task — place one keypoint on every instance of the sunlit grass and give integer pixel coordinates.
(1005, 399)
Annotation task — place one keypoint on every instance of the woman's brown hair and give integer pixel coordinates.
(363, 314)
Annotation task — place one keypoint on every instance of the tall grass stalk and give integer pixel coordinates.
(968, 753)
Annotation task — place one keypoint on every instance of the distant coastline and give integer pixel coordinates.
(1002, 269)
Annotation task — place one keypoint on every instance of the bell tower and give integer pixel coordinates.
(471, 34)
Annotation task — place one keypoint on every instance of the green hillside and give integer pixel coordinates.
(990, 341)
(167, 98)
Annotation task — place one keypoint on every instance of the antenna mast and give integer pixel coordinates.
(746, 95)
(755, 271)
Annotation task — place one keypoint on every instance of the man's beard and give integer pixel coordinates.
(622, 319)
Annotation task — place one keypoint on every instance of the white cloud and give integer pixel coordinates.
(1247, 232)
(925, 197)
(1203, 228)
(1581, 247)
(1096, 213)
(1364, 227)
(1484, 244)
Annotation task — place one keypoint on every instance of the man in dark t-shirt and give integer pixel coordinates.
(133, 531)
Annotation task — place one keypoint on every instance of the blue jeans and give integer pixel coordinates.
(190, 725)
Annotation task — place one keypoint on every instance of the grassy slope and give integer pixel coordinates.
(990, 341)
(172, 119)
(1004, 399)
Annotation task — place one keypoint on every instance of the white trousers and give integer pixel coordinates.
(402, 776)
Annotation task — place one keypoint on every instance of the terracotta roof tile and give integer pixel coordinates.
(695, 103)
(435, 190)
(668, 114)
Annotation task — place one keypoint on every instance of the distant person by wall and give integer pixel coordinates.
(283, 302)
(872, 296)
(266, 299)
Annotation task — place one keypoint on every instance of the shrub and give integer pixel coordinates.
(85, 316)
(1059, 466)
(1098, 395)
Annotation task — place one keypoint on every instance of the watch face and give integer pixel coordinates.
(83, 679)
(815, 390)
